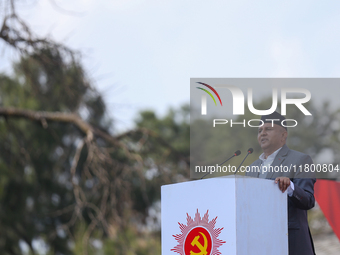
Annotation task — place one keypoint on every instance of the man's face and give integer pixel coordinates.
(271, 137)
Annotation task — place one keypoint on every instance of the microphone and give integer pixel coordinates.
(236, 153)
(250, 151)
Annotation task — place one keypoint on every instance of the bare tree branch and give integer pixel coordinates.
(42, 116)
(90, 131)
(15, 32)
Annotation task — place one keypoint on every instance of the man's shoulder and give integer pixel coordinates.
(300, 161)
(297, 154)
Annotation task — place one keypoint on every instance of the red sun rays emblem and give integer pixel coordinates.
(198, 237)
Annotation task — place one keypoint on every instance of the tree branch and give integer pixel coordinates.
(86, 128)
(43, 117)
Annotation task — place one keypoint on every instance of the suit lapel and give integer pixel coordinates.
(280, 157)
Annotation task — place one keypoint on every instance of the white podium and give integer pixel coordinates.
(228, 215)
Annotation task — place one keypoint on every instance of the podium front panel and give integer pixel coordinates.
(211, 203)
(242, 215)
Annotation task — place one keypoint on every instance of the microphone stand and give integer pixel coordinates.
(235, 154)
(250, 151)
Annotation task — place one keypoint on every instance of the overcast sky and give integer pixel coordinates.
(142, 54)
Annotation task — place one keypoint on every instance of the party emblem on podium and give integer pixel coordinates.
(198, 236)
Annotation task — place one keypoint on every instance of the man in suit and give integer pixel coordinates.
(299, 184)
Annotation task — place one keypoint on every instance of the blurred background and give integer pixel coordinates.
(94, 106)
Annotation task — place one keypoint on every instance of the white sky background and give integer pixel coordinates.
(142, 53)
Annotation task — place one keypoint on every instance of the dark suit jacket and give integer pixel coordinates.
(300, 240)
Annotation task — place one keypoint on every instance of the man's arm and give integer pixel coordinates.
(303, 187)
(303, 194)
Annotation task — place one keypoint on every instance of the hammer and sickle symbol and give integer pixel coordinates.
(203, 248)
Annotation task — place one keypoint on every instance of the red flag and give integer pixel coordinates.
(327, 194)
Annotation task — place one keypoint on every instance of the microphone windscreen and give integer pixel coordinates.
(238, 152)
(250, 150)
